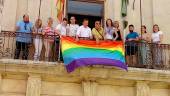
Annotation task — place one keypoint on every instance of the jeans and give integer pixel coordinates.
(24, 47)
(38, 47)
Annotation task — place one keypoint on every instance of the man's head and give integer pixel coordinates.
(26, 18)
(131, 28)
(97, 24)
(72, 20)
(85, 22)
(65, 21)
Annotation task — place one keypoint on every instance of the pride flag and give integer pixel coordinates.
(87, 52)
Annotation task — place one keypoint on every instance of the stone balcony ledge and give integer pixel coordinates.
(56, 70)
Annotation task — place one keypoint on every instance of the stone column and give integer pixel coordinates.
(89, 88)
(142, 88)
(0, 83)
(33, 85)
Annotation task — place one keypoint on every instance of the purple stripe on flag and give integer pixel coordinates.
(94, 61)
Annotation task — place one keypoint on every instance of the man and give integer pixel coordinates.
(61, 30)
(23, 37)
(84, 32)
(73, 27)
(131, 47)
(98, 32)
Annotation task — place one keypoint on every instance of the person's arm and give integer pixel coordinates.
(90, 34)
(95, 37)
(57, 30)
(17, 27)
(161, 38)
(115, 32)
(78, 34)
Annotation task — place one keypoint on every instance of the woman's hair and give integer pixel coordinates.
(144, 27)
(156, 25)
(115, 22)
(110, 21)
(37, 23)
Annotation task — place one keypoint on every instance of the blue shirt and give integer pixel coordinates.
(132, 35)
(24, 28)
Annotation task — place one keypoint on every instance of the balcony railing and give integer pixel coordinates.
(138, 54)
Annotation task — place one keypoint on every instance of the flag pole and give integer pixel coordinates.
(39, 13)
(141, 16)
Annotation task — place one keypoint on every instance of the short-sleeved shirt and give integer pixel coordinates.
(24, 28)
(62, 29)
(98, 33)
(109, 32)
(49, 32)
(73, 29)
(84, 32)
(156, 36)
(131, 35)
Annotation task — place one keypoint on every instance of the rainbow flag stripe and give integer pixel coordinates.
(87, 52)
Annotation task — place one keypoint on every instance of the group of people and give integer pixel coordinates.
(111, 32)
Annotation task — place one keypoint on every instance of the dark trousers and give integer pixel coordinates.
(21, 47)
(58, 49)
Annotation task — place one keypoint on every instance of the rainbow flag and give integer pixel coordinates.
(87, 52)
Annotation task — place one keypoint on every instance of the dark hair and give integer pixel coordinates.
(131, 26)
(111, 22)
(85, 19)
(25, 15)
(64, 19)
(144, 27)
(156, 25)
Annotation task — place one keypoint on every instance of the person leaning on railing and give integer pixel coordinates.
(84, 32)
(60, 30)
(48, 33)
(98, 32)
(38, 41)
(23, 37)
(157, 38)
(73, 27)
(144, 47)
(116, 26)
(110, 31)
(131, 46)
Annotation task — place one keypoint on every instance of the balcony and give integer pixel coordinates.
(49, 78)
(138, 55)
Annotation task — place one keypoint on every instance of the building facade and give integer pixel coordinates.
(29, 78)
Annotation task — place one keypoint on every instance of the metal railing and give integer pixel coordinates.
(138, 54)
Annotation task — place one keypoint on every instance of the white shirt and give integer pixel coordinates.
(73, 29)
(62, 29)
(109, 32)
(156, 36)
(84, 32)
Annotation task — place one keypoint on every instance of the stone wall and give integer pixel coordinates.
(24, 78)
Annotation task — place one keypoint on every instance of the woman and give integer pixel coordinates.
(145, 38)
(116, 26)
(37, 30)
(49, 38)
(157, 37)
(110, 30)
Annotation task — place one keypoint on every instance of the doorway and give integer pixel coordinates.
(86, 9)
